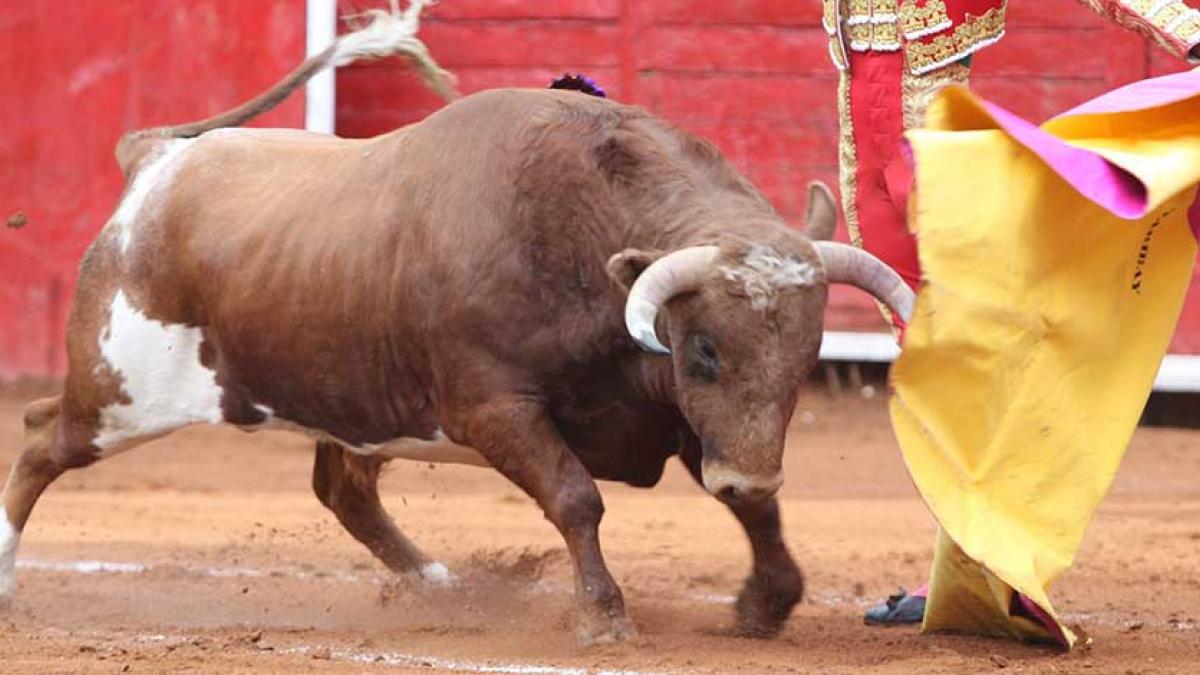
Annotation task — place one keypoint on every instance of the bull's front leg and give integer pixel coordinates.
(516, 436)
(348, 485)
(776, 584)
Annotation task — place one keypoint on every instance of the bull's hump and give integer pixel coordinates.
(501, 109)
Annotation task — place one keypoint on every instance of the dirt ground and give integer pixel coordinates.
(207, 552)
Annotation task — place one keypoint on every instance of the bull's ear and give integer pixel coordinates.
(625, 267)
(821, 215)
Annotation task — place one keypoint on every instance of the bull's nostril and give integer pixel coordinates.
(727, 493)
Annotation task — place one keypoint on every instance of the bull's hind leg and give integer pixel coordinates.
(130, 379)
(58, 436)
(776, 583)
(348, 484)
(35, 469)
(54, 442)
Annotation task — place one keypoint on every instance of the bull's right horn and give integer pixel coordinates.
(845, 264)
(677, 272)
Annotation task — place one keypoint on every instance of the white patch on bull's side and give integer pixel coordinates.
(437, 450)
(9, 538)
(161, 374)
(437, 574)
(763, 273)
(148, 182)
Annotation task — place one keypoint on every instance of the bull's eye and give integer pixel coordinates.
(703, 360)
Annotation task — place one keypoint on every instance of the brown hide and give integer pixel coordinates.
(468, 273)
(380, 288)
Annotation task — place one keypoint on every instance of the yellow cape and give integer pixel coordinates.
(1038, 332)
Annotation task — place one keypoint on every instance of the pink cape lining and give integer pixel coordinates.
(1107, 184)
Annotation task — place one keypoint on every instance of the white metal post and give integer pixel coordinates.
(320, 94)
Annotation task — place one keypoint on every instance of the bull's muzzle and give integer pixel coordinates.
(730, 485)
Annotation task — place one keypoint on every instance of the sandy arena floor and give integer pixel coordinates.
(206, 552)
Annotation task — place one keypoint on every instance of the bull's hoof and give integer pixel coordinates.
(428, 575)
(764, 605)
(7, 587)
(437, 575)
(601, 630)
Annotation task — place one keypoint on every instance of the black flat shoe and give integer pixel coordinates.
(901, 609)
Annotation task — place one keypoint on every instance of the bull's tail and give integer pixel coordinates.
(386, 34)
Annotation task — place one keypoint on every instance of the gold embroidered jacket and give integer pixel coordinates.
(936, 33)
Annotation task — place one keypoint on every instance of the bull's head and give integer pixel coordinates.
(744, 320)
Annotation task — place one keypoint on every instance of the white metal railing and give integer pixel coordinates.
(1178, 372)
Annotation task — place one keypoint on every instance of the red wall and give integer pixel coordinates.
(75, 76)
(752, 75)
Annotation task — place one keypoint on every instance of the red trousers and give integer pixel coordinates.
(878, 97)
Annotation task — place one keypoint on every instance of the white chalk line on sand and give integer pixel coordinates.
(110, 567)
(395, 659)
(219, 571)
(399, 659)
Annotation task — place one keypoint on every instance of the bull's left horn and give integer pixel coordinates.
(670, 275)
(846, 264)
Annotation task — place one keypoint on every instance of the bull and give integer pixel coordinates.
(551, 284)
